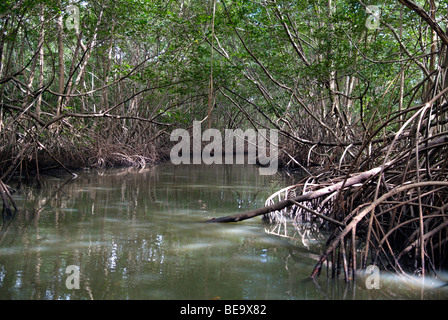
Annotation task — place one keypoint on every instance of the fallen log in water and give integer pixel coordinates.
(359, 178)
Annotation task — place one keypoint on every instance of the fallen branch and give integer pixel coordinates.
(360, 178)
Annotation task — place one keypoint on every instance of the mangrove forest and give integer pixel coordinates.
(350, 97)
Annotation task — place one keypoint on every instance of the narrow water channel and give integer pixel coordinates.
(139, 234)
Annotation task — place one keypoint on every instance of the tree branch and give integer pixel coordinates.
(362, 177)
(425, 16)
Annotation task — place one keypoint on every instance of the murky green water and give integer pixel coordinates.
(139, 234)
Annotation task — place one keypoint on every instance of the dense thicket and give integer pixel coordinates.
(350, 87)
(113, 87)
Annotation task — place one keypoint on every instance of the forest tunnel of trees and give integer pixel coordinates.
(356, 89)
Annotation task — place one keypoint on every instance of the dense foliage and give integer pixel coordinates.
(115, 77)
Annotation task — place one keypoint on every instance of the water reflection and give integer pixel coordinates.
(139, 234)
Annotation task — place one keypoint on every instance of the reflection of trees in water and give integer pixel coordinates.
(126, 230)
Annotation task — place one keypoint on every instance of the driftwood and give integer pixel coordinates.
(359, 178)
